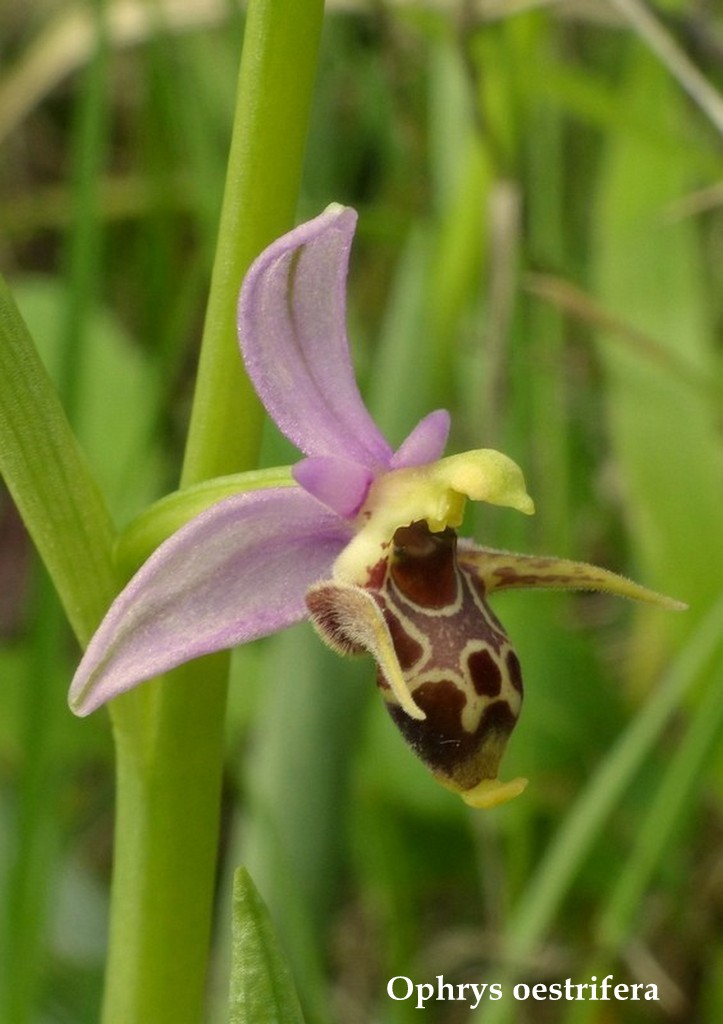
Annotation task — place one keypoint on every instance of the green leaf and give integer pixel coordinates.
(276, 79)
(665, 434)
(675, 801)
(115, 398)
(49, 479)
(262, 988)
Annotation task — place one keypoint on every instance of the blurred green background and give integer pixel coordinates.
(540, 249)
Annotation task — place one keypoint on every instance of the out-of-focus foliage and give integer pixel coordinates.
(540, 250)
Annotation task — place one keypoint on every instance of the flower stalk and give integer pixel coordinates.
(169, 738)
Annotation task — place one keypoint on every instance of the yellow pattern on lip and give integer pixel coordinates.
(435, 493)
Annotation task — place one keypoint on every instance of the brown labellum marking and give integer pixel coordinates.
(485, 673)
(515, 576)
(443, 702)
(479, 590)
(514, 671)
(462, 758)
(423, 566)
(408, 650)
(377, 574)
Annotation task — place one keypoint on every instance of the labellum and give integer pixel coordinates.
(448, 648)
(458, 662)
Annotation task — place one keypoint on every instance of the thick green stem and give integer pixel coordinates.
(168, 752)
(169, 734)
(276, 82)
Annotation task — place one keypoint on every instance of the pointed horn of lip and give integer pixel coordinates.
(505, 570)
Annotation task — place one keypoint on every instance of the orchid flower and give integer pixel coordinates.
(362, 542)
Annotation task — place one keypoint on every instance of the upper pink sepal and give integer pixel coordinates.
(292, 330)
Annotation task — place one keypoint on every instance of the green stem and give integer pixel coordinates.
(169, 735)
(276, 80)
(169, 744)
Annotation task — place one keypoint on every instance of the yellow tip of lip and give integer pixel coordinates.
(492, 792)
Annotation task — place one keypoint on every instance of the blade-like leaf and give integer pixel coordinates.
(664, 432)
(262, 988)
(47, 475)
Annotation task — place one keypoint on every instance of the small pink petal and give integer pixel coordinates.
(291, 321)
(238, 571)
(342, 486)
(426, 442)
